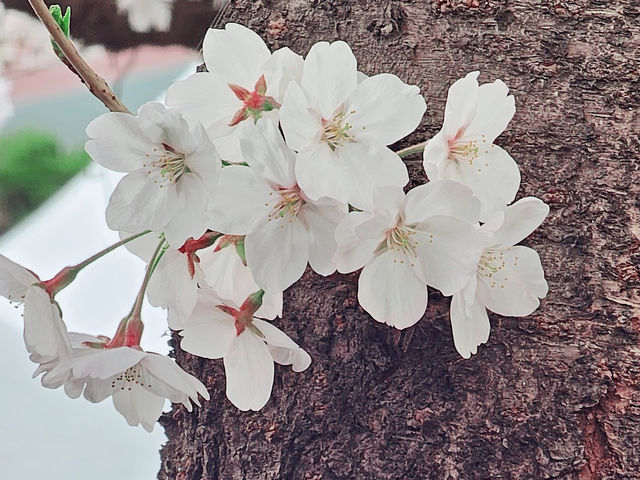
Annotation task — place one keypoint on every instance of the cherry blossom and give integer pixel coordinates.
(426, 237)
(508, 280)
(464, 151)
(172, 170)
(284, 229)
(341, 127)
(147, 15)
(245, 82)
(219, 329)
(137, 381)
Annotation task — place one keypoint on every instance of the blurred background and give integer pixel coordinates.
(52, 202)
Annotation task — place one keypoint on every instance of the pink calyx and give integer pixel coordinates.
(254, 103)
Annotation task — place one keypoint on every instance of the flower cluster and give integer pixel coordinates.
(265, 164)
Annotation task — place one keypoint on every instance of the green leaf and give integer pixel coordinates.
(240, 251)
(64, 22)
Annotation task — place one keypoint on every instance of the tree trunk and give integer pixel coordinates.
(98, 22)
(552, 395)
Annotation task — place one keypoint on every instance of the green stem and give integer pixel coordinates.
(102, 253)
(153, 263)
(412, 150)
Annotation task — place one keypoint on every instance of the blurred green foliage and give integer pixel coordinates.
(32, 167)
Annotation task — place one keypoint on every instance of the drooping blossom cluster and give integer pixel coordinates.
(262, 166)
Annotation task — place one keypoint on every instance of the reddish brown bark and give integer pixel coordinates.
(553, 395)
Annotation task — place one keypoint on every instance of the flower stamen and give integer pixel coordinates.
(337, 130)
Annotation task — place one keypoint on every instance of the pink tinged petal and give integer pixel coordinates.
(171, 285)
(14, 280)
(321, 173)
(517, 284)
(236, 53)
(278, 253)
(447, 250)
(373, 167)
(139, 407)
(103, 364)
(241, 203)
(470, 325)
(191, 218)
(268, 155)
(322, 243)
(302, 126)
(461, 105)
(214, 110)
(494, 111)
(170, 381)
(330, 76)
(390, 291)
(353, 251)
(386, 109)
(138, 203)
(117, 142)
(436, 156)
(249, 370)
(45, 334)
(440, 197)
(520, 220)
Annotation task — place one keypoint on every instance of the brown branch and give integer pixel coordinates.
(94, 82)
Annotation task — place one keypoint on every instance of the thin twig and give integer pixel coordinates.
(94, 82)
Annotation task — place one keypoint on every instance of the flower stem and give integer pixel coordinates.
(109, 249)
(151, 267)
(412, 150)
(94, 82)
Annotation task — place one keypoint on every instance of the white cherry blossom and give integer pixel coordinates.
(172, 170)
(147, 15)
(508, 280)
(245, 82)
(248, 345)
(137, 381)
(341, 126)
(426, 237)
(284, 229)
(464, 151)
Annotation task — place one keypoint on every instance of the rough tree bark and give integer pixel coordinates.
(553, 395)
(98, 22)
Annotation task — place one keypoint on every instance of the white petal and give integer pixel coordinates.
(170, 381)
(448, 252)
(520, 220)
(214, 110)
(283, 350)
(494, 111)
(45, 334)
(249, 370)
(386, 109)
(97, 390)
(440, 197)
(353, 251)
(139, 406)
(283, 67)
(330, 76)
(267, 154)
(320, 173)
(103, 364)
(236, 53)
(14, 280)
(190, 220)
(390, 291)
(239, 206)
(171, 285)
(321, 230)
(302, 126)
(370, 167)
(138, 203)
(278, 253)
(470, 326)
(461, 104)
(515, 288)
(436, 156)
(118, 143)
